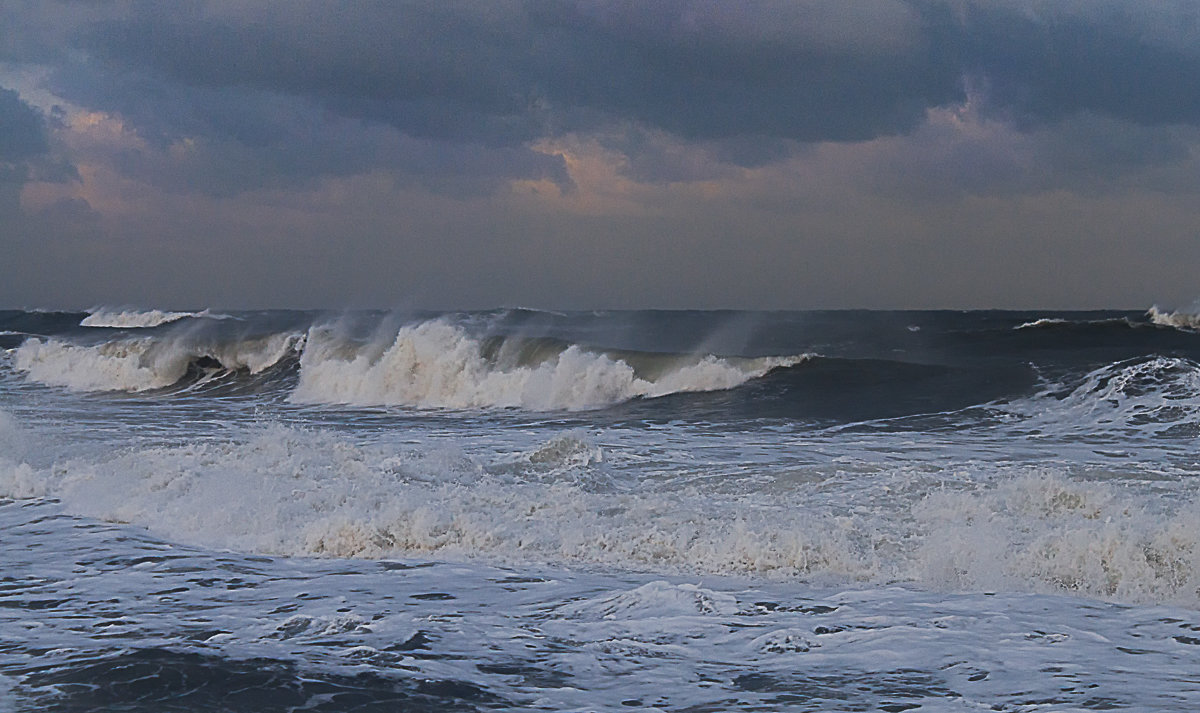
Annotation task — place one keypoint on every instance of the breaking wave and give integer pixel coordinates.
(1040, 323)
(439, 365)
(101, 317)
(1180, 320)
(144, 363)
(139, 319)
(433, 364)
(1149, 397)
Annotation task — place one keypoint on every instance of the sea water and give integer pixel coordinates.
(684, 511)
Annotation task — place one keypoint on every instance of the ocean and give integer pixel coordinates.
(599, 511)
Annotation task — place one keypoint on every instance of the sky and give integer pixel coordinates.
(593, 154)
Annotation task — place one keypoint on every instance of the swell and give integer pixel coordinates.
(38, 322)
(828, 390)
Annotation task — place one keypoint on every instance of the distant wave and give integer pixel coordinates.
(1039, 323)
(101, 317)
(134, 319)
(1179, 320)
(436, 364)
(1052, 323)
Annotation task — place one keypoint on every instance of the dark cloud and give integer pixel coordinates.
(518, 71)
(703, 71)
(751, 80)
(427, 68)
(221, 140)
(22, 129)
(1044, 68)
(802, 71)
(23, 148)
(506, 73)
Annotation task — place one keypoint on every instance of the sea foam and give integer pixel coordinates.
(297, 492)
(1060, 534)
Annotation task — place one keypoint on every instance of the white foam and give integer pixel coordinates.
(126, 365)
(141, 364)
(294, 492)
(1141, 397)
(654, 600)
(438, 365)
(1039, 323)
(1180, 319)
(17, 478)
(1047, 533)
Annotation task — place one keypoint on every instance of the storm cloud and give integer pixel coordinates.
(495, 152)
(508, 73)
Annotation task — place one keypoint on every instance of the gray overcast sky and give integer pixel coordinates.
(593, 153)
